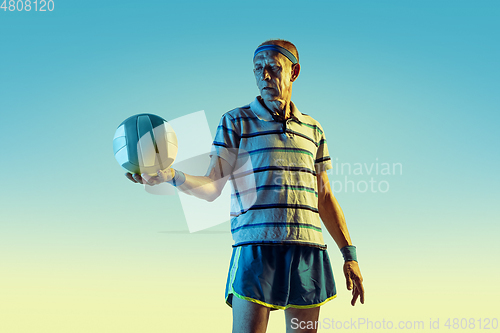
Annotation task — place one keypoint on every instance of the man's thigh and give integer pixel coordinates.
(301, 320)
(249, 317)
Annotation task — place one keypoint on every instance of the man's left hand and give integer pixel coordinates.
(354, 281)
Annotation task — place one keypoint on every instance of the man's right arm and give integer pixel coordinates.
(210, 186)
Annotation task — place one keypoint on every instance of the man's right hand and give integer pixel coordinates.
(162, 176)
(207, 187)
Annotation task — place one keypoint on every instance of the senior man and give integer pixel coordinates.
(279, 258)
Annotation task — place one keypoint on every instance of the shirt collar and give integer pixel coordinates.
(264, 114)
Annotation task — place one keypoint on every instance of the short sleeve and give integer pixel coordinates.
(227, 140)
(323, 161)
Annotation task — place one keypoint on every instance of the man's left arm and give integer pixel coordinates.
(333, 218)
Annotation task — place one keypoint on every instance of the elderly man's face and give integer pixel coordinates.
(273, 73)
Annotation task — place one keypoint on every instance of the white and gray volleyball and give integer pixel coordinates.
(145, 143)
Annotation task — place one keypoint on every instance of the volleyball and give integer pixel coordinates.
(145, 143)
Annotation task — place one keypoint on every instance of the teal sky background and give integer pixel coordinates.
(410, 82)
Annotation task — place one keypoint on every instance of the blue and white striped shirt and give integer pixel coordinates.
(274, 198)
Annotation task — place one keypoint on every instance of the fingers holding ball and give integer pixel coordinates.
(147, 179)
(130, 177)
(150, 180)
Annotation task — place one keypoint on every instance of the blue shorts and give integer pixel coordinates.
(280, 276)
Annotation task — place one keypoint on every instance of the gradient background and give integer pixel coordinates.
(410, 82)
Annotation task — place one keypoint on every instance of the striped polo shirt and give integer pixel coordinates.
(274, 197)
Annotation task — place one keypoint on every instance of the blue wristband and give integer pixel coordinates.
(178, 179)
(349, 253)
